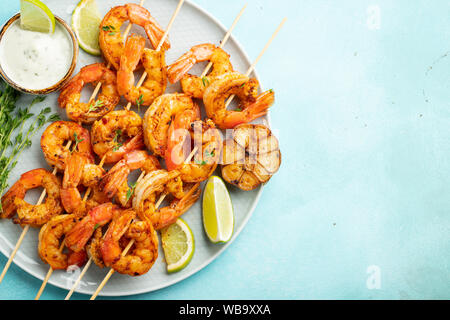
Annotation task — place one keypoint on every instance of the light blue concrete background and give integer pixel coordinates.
(360, 208)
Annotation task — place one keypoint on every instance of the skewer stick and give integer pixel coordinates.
(161, 42)
(94, 94)
(123, 254)
(252, 67)
(225, 39)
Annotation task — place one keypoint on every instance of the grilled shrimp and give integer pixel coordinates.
(116, 134)
(108, 98)
(153, 184)
(49, 247)
(54, 138)
(115, 181)
(208, 142)
(194, 85)
(79, 235)
(78, 172)
(111, 40)
(28, 214)
(93, 248)
(158, 117)
(251, 106)
(142, 255)
(153, 61)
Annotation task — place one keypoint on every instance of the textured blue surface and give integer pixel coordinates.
(360, 208)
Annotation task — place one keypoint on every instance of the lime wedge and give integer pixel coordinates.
(86, 23)
(218, 217)
(178, 245)
(36, 16)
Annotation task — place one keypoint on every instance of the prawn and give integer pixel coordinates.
(116, 134)
(251, 106)
(49, 243)
(116, 178)
(195, 86)
(144, 252)
(154, 65)
(28, 214)
(154, 183)
(208, 142)
(79, 172)
(111, 39)
(158, 117)
(108, 98)
(80, 234)
(54, 139)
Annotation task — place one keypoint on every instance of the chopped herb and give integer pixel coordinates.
(111, 29)
(140, 101)
(94, 107)
(271, 90)
(131, 191)
(238, 109)
(205, 81)
(209, 154)
(242, 85)
(96, 226)
(202, 163)
(77, 141)
(117, 144)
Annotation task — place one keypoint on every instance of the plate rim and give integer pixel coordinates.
(34, 271)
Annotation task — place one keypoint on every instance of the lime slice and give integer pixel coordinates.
(178, 245)
(86, 23)
(218, 217)
(36, 16)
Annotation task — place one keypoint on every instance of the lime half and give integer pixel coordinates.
(178, 245)
(36, 16)
(86, 23)
(218, 216)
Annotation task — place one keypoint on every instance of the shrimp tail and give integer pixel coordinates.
(254, 110)
(129, 61)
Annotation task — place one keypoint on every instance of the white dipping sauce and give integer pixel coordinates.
(35, 60)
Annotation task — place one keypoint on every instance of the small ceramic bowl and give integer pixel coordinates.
(66, 77)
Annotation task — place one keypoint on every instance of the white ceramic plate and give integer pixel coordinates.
(192, 26)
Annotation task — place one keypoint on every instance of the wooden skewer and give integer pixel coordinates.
(225, 39)
(94, 94)
(128, 106)
(252, 67)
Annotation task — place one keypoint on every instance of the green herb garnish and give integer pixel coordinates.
(109, 28)
(139, 102)
(94, 107)
(14, 138)
(117, 144)
(130, 191)
(205, 81)
(77, 141)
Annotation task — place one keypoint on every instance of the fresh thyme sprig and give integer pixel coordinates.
(14, 138)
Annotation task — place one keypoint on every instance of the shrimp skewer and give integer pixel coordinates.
(161, 43)
(19, 242)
